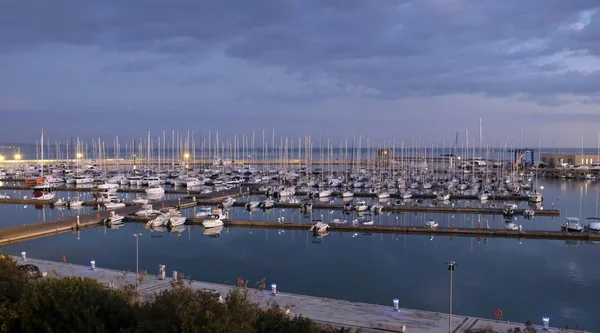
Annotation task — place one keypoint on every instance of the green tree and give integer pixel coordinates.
(12, 280)
(181, 309)
(73, 304)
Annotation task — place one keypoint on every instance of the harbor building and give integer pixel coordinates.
(557, 160)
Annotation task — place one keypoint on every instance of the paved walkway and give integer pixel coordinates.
(372, 318)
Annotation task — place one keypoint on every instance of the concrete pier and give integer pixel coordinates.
(407, 208)
(369, 317)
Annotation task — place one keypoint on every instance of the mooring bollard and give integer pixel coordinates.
(24, 255)
(396, 303)
(273, 289)
(93, 264)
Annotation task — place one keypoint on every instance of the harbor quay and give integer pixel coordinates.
(370, 318)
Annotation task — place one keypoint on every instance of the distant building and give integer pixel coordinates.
(555, 160)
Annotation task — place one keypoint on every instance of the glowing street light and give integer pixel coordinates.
(1, 158)
(186, 156)
(18, 156)
(79, 155)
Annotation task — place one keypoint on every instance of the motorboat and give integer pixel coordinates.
(363, 220)
(325, 193)
(175, 219)
(113, 219)
(155, 189)
(406, 195)
(75, 203)
(268, 203)
(108, 186)
(252, 205)
(59, 202)
(203, 212)
(347, 194)
(158, 221)
(510, 225)
(509, 208)
(212, 221)
(306, 207)
(114, 204)
(361, 206)
(442, 197)
(377, 208)
(593, 224)
(218, 213)
(43, 195)
(146, 210)
(319, 227)
(383, 195)
(572, 224)
(432, 224)
(535, 197)
(482, 196)
(338, 220)
(4, 196)
(140, 201)
(228, 202)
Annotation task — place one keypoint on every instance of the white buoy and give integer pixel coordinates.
(273, 289)
(93, 264)
(546, 321)
(396, 303)
(24, 255)
(162, 272)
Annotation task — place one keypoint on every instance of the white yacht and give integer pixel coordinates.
(431, 224)
(319, 227)
(325, 193)
(535, 197)
(203, 212)
(113, 219)
(338, 220)
(146, 210)
(361, 206)
(347, 194)
(114, 204)
(158, 221)
(75, 203)
(252, 205)
(383, 195)
(228, 202)
(155, 190)
(4, 196)
(442, 197)
(212, 221)
(572, 224)
(363, 221)
(175, 219)
(268, 203)
(59, 202)
(43, 195)
(80, 180)
(593, 224)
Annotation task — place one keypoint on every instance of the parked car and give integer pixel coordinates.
(32, 271)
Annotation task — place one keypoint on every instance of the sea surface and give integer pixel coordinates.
(526, 279)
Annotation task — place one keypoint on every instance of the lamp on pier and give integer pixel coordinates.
(546, 321)
(1, 158)
(17, 156)
(79, 155)
(273, 289)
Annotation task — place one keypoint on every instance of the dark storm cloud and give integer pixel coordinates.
(390, 48)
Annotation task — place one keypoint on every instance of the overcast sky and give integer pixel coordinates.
(381, 68)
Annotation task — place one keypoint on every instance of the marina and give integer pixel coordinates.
(317, 202)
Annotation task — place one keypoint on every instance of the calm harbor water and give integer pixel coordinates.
(527, 279)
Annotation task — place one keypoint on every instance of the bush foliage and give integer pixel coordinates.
(73, 304)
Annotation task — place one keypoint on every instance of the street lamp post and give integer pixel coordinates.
(451, 265)
(137, 236)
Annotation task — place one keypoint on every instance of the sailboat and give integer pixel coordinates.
(41, 192)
